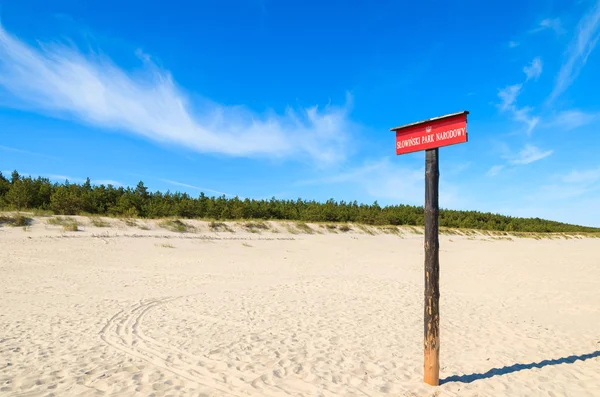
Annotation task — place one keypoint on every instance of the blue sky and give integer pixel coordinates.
(291, 99)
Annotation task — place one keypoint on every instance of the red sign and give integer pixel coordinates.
(428, 134)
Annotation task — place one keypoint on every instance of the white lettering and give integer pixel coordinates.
(428, 138)
(450, 134)
(408, 142)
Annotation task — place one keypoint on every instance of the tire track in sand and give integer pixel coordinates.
(124, 331)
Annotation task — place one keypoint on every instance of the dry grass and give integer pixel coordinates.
(15, 220)
(415, 230)
(68, 224)
(391, 230)
(535, 236)
(304, 228)
(256, 227)
(176, 226)
(44, 213)
(291, 230)
(345, 228)
(366, 229)
(502, 238)
(449, 231)
(70, 227)
(166, 245)
(129, 222)
(56, 221)
(219, 227)
(98, 222)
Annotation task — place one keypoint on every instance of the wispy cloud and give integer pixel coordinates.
(456, 168)
(572, 119)
(508, 97)
(523, 115)
(107, 182)
(72, 179)
(353, 174)
(62, 81)
(584, 177)
(62, 178)
(200, 189)
(583, 43)
(495, 170)
(12, 149)
(529, 154)
(513, 44)
(576, 183)
(385, 179)
(554, 24)
(513, 159)
(534, 69)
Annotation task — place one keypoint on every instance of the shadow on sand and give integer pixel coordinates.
(517, 367)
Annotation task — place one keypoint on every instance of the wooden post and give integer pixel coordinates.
(429, 135)
(432, 270)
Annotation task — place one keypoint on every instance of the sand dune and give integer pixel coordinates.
(121, 311)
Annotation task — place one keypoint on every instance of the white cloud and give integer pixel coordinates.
(567, 197)
(15, 150)
(522, 115)
(390, 181)
(554, 24)
(106, 182)
(581, 46)
(201, 189)
(529, 154)
(534, 69)
(513, 44)
(508, 97)
(571, 119)
(574, 184)
(495, 170)
(582, 177)
(348, 176)
(61, 81)
(581, 210)
(380, 179)
(570, 197)
(63, 178)
(456, 168)
(550, 23)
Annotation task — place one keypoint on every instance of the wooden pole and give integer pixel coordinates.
(432, 270)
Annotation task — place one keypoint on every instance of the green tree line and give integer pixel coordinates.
(27, 193)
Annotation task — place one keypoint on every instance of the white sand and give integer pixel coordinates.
(285, 314)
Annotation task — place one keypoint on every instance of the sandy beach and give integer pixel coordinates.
(123, 311)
